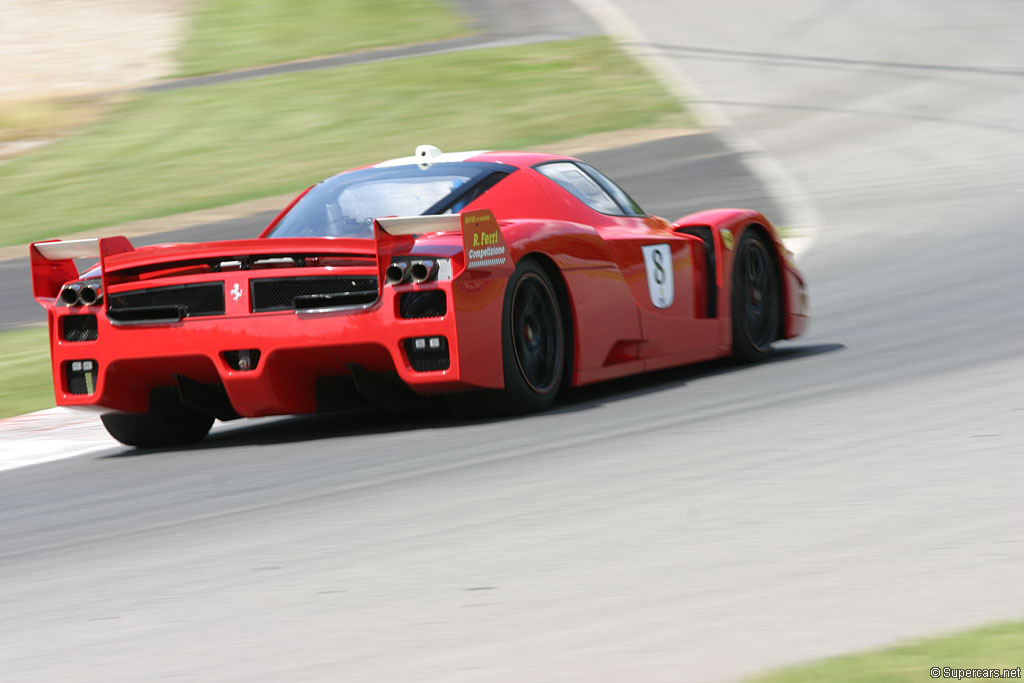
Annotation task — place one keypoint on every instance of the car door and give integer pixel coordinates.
(664, 271)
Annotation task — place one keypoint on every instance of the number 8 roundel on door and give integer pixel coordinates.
(658, 262)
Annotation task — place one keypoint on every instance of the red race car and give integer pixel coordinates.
(507, 275)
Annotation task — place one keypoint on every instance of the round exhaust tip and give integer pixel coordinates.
(396, 273)
(69, 295)
(88, 295)
(420, 271)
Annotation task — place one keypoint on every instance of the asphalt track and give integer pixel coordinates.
(689, 525)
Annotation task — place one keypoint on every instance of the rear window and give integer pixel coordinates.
(347, 204)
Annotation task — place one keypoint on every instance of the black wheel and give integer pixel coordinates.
(168, 423)
(533, 349)
(756, 299)
(534, 340)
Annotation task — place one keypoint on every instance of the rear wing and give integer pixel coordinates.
(53, 261)
(482, 240)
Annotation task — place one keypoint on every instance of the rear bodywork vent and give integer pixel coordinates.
(429, 304)
(78, 328)
(312, 293)
(428, 354)
(80, 376)
(163, 304)
(705, 234)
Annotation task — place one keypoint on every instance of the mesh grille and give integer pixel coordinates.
(206, 298)
(432, 304)
(79, 328)
(305, 293)
(427, 359)
(81, 376)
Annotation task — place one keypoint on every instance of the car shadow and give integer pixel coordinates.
(435, 413)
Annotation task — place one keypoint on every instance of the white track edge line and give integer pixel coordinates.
(805, 219)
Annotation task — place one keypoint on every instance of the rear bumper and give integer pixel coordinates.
(295, 351)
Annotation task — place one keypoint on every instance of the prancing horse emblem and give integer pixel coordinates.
(236, 292)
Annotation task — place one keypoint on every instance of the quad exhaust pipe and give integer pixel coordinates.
(418, 271)
(86, 294)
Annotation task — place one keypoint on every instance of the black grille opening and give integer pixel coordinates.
(81, 376)
(173, 302)
(243, 359)
(428, 354)
(78, 328)
(429, 304)
(311, 293)
(704, 233)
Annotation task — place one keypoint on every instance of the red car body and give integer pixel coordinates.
(249, 361)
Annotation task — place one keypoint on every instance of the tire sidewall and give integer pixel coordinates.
(519, 395)
(745, 349)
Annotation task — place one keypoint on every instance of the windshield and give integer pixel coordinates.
(347, 204)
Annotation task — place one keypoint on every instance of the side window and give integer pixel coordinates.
(625, 201)
(583, 187)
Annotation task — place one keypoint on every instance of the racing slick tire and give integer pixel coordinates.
(756, 299)
(167, 423)
(533, 349)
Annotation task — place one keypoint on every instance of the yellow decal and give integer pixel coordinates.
(483, 242)
(727, 238)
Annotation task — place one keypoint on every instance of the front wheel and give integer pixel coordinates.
(169, 423)
(756, 299)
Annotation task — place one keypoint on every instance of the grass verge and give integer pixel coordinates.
(35, 119)
(232, 34)
(165, 153)
(992, 647)
(25, 368)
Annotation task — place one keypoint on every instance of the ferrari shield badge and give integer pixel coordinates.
(658, 262)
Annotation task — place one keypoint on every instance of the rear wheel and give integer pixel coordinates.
(756, 299)
(534, 341)
(533, 349)
(167, 423)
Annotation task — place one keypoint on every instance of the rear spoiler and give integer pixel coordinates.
(53, 261)
(482, 240)
(68, 249)
(419, 225)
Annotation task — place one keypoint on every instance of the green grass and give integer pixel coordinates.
(33, 119)
(993, 647)
(25, 371)
(165, 153)
(231, 34)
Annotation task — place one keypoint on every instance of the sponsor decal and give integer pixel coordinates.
(236, 292)
(482, 239)
(660, 283)
(727, 238)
